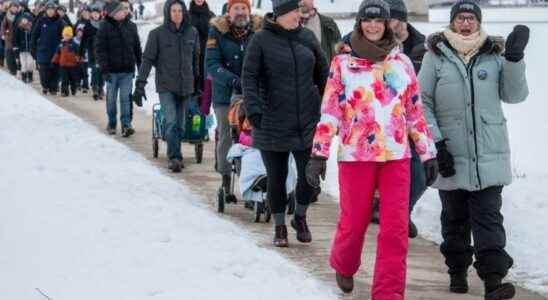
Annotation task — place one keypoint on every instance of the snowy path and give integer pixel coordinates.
(84, 217)
(146, 235)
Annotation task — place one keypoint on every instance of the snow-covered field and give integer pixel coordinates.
(525, 201)
(84, 217)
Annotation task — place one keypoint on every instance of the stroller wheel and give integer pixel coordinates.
(221, 201)
(259, 210)
(199, 151)
(155, 147)
(291, 199)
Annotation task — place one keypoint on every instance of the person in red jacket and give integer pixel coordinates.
(67, 59)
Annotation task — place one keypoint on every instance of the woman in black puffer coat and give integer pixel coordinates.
(200, 15)
(283, 78)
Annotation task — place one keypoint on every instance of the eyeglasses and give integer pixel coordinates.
(460, 19)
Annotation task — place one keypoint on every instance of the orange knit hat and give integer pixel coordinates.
(232, 2)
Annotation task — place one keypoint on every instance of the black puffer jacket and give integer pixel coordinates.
(283, 79)
(117, 46)
(414, 47)
(174, 53)
(200, 16)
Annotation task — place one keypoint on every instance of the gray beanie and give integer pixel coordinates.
(282, 7)
(398, 10)
(370, 9)
(469, 6)
(113, 7)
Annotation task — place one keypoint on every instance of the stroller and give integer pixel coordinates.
(194, 131)
(247, 164)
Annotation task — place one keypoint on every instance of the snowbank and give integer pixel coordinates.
(83, 217)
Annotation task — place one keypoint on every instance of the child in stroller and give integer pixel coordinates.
(248, 164)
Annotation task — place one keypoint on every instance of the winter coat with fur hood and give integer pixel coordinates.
(463, 105)
(225, 56)
(174, 53)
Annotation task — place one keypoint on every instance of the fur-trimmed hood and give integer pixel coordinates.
(223, 26)
(493, 44)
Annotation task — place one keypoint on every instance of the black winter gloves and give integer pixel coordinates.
(315, 169)
(138, 95)
(255, 120)
(446, 163)
(431, 171)
(516, 42)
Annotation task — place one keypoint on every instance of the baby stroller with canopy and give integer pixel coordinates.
(247, 164)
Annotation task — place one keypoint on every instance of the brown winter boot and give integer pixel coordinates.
(345, 283)
(280, 236)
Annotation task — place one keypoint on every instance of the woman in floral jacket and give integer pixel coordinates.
(372, 101)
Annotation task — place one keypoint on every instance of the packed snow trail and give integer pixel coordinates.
(84, 217)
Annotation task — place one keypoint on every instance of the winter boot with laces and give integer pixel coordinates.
(459, 283)
(303, 233)
(280, 236)
(174, 165)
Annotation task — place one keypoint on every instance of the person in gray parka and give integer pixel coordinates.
(173, 49)
(465, 77)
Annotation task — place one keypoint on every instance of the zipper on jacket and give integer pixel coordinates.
(180, 59)
(470, 68)
(298, 104)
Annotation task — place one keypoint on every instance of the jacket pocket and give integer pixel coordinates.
(494, 135)
(455, 135)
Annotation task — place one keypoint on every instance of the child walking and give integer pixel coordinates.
(67, 59)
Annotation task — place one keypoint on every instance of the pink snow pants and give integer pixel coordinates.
(357, 181)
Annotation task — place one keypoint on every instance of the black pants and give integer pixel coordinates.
(477, 213)
(49, 77)
(11, 61)
(84, 76)
(276, 164)
(69, 78)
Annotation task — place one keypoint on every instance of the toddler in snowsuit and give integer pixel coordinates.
(67, 59)
(22, 47)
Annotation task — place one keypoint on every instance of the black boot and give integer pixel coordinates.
(174, 165)
(345, 283)
(303, 233)
(413, 231)
(459, 283)
(496, 290)
(31, 77)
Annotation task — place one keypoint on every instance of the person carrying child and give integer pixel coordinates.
(67, 59)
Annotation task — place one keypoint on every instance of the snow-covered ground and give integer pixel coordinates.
(525, 207)
(84, 217)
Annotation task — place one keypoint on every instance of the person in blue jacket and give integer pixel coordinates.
(228, 38)
(46, 37)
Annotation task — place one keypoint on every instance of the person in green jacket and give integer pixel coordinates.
(465, 77)
(325, 29)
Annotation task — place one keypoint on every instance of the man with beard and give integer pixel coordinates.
(226, 45)
(325, 29)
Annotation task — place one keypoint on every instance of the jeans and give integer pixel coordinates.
(224, 141)
(174, 112)
(121, 83)
(11, 61)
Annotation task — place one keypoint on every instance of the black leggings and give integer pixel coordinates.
(276, 164)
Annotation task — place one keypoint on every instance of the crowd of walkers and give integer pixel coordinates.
(409, 111)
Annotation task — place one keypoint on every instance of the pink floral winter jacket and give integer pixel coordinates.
(375, 108)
